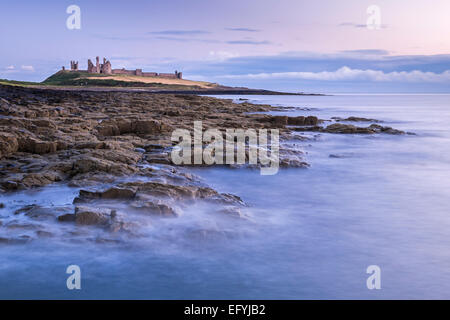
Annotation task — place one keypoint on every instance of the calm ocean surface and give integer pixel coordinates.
(384, 201)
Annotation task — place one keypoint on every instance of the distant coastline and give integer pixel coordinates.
(76, 81)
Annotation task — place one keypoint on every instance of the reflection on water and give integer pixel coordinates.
(311, 233)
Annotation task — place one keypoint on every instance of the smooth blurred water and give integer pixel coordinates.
(313, 232)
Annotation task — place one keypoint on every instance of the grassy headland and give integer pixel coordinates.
(71, 80)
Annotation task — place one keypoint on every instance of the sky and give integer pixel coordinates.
(325, 46)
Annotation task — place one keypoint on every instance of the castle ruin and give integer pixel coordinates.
(105, 68)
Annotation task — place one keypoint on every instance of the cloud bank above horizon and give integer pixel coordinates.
(347, 74)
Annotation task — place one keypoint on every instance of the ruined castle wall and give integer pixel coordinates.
(105, 68)
(123, 71)
(168, 75)
(149, 74)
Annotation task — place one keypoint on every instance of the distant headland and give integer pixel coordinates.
(106, 68)
(102, 77)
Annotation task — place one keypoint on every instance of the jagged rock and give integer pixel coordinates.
(303, 121)
(123, 126)
(33, 145)
(156, 207)
(26, 208)
(68, 217)
(348, 128)
(377, 128)
(279, 120)
(118, 193)
(91, 145)
(355, 119)
(114, 193)
(88, 164)
(295, 121)
(10, 185)
(39, 179)
(79, 137)
(92, 216)
(8, 144)
(161, 158)
(153, 147)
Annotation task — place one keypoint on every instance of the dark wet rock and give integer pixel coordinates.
(68, 217)
(15, 240)
(293, 163)
(105, 218)
(341, 128)
(122, 226)
(355, 119)
(341, 155)
(126, 126)
(92, 216)
(177, 192)
(118, 193)
(303, 121)
(2, 205)
(308, 128)
(291, 156)
(44, 234)
(116, 165)
(153, 147)
(346, 129)
(33, 145)
(388, 130)
(153, 198)
(21, 225)
(92, 145)
(160, 158)
(154, 207)
(113, 193)
(26, 208)
(351, 129)
(279, 121)
(8, 144)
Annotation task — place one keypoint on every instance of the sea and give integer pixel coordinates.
(366, 201)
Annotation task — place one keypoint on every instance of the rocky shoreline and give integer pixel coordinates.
(114, 147)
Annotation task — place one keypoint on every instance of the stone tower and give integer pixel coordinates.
(97, 65)
(74, 65)
(91, 67)
(106, 67)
